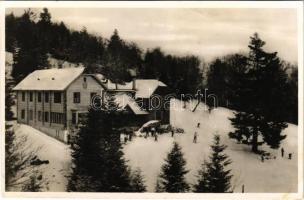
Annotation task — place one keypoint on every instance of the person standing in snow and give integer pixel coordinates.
(198, 125)
(155, 137)
(195, 137)
(282, 152)
(289, 156)
(172, 132)
(126, 139)
(262, 158)
(152, 131)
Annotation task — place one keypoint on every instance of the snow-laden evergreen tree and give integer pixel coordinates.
(261, 99)
(172, 176)
(214, 177)
(98, 163)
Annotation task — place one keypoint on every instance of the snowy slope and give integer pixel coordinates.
(57, 153)
(275, 175)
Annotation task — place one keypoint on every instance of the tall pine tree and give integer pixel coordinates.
(261, 99)
(213, 177)
(172, 176)
(98, 163)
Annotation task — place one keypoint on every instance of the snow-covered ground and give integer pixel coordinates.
(57, 153)
(275, 175)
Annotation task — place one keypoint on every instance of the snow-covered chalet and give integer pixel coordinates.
(55, 100)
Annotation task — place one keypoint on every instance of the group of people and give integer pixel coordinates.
(128, 137)
(282, 155)
(154, 133)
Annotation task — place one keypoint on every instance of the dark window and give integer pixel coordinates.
(46, 97)
(22, 114)
(31, 96)
(57, 97)
(31, 115)
(46, 116)
(74, 118)
(76, 97)
(23, 96)
(39, 116)
(39, 96)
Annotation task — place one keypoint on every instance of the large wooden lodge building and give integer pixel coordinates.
(54, 100)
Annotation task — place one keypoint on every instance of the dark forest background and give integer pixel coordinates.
(34, 37)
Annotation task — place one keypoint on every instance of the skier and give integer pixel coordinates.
(198, 125)
(282, 152)
(126, 139)
(155, 137)
(289, 156)
(152, 131)
(172, 132)
(195, 137)
(262, 158)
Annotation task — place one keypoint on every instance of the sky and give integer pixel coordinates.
(205, 32)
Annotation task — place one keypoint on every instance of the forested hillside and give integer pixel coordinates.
(34, 38)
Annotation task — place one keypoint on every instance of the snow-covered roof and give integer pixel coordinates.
(112, 86)
(124, 100)
(146, 87)
(50, 79)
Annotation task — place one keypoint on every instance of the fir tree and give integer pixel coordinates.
(30, 55)
(213, 177)
(98, 163)
(172, 176)
(261, 99)
(137, 182)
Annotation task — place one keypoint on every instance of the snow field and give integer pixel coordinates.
(274, 175)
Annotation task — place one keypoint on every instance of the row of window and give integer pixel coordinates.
(77, 97)
(58, 118)
(57, 97)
